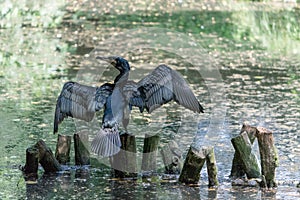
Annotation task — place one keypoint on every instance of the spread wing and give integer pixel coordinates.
(162, 86)
(80, 101)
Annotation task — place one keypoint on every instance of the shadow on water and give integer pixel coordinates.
(260, 87)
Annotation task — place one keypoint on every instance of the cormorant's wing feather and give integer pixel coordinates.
(183, 95)
(106, 143)
(80, 101)
(162, 86)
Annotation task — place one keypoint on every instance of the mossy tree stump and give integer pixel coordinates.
(150, 153)
(39, 153)
(248, 160)
(171, 155)
(81, 146)
(193, 164)
(124, 163)
(32, 163)
(63, 146)
(238, 169)
(267, 150)
(211, 165)
(47, 158)
(268, 155)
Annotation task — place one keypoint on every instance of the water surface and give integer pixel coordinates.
(235, 80)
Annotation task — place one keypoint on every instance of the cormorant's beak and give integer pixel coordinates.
(110, 59)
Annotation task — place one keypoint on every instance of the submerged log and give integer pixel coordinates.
(171, 155)
(268, 155)
(63, 146)
(150, 153)
(82, 154)
(124, 163)
(192, 166)
(211, 165)
(31, 166)
(248, 160)
(46, 158)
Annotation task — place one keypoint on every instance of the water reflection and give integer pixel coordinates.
(85, 183)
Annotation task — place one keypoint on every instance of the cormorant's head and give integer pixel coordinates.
(118, 62)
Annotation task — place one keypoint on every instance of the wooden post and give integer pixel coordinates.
(192, 166)
(250, 130)
(237, 169)
(46, 158)
(63, 145)
(242, 146)
(124, 162)
(82, 154)
(268, 155)
(171, 155)
(31, 166)
(150, 152)
(211, 165)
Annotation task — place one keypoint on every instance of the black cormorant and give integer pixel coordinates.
(159, 87)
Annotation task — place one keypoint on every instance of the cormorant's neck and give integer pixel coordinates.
(123, 76)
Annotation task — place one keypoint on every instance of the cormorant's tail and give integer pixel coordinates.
(106, 143)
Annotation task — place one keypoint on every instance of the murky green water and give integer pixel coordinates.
(241, 61)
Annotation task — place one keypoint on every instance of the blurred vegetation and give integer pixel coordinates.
(28, 53)
(20, 13)
(269, 26)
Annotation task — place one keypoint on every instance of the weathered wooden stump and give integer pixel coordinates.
(124, 163)
(250, 130)
(82, 154)
(32, 163)
(268, 155)
(192, 166)
(63, 146)
(171, 155)
(211, 165)
(46, 158)
(150, 153)
(238, 169)
(248, 161)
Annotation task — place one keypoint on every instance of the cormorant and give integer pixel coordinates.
(159, 87)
